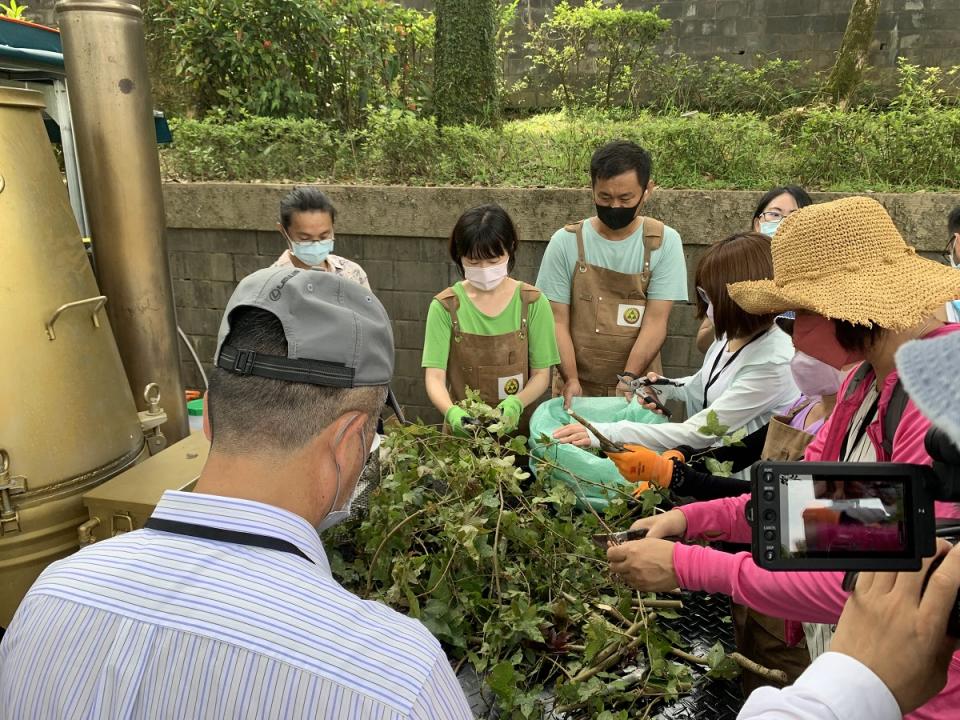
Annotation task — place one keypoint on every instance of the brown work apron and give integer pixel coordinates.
(761, 637)
(496, 366)
(606, 311)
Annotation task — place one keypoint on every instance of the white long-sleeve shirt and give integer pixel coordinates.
(745, 393)
(834, 687)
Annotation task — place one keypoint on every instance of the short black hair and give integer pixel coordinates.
(953, 221)
(305, 199)
(857, 338)
(620, 156)
(250, 414)
(484, 233)
(800, 196)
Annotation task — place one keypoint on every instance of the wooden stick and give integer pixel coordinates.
(606, 444)
(778, 676)
(663, 604)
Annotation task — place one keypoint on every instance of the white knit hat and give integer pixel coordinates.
(930, 370)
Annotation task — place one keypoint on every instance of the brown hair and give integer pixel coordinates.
(744, 256)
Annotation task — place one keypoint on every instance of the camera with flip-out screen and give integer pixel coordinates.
(853, 516)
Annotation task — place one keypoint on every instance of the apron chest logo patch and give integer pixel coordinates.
(510, 385)
(629, 315)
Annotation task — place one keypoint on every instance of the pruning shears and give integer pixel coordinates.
(639, 383)
(478, 423)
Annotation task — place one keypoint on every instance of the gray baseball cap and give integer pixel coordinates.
(338, 334)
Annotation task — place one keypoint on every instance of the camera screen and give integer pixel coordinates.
(841, 517)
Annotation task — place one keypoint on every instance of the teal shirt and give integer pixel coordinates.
(668, 270)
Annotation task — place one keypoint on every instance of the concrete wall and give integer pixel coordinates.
(218, 233)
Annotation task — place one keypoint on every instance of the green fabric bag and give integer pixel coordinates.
(588, 472)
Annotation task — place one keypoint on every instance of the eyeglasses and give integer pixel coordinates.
(772, 216)
(703, 295)
(949, 250)
(305, 241)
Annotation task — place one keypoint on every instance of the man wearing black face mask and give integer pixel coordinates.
(612, 279)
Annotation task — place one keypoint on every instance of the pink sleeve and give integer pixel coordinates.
(721, 519)
(908, 440)
(803, 596)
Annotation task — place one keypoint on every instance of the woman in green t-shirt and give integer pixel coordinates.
(489, 332)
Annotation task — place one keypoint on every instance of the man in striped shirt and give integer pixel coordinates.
(224, 605)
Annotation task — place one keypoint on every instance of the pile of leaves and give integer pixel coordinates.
(501, 568)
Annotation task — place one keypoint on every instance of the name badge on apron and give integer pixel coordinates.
(629, 315)
(509, 385)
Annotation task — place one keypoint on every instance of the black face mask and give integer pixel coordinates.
(617, 218)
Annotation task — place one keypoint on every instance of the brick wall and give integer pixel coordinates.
(218, 233)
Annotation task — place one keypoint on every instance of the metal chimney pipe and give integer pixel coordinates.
(110, 100)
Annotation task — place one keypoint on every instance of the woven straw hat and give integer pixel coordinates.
(846, 260)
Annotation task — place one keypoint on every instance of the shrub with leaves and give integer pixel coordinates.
(589, 53)
(501, 568)
(322, 59)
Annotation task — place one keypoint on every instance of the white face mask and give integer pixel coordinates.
(486, 278)
(335, 517)
(813, 377)
(709, 312)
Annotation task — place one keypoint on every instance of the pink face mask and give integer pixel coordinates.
(816, 336)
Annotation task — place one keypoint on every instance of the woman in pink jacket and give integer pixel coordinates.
(860, 293)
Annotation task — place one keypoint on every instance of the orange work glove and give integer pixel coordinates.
(645, 467)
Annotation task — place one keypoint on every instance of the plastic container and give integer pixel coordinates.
(593, 477)
(195, 413)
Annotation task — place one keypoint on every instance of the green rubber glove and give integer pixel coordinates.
(511, 409)
(455, 417)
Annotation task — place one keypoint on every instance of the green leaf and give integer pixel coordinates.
(715, 467)
(503, 680)
(713, 426)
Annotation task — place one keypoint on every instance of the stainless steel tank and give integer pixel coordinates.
(68, 421)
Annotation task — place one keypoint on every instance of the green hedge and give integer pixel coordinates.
(821, 148)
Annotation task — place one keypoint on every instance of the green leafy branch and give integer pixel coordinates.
(499, 565)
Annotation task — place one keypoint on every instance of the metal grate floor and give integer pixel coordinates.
(701, 625)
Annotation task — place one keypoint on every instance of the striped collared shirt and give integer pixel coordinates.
(152, 624)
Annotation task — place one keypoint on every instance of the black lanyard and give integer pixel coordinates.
(235, 537)
(861, 431)
(712, 378)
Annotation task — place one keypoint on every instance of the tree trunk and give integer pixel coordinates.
(465, 62)
(852, 56)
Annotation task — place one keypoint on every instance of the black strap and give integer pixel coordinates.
(235, 537)
(712, 378)
(891, 419)
(895, 408)
(861, 431)
(314, 372)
